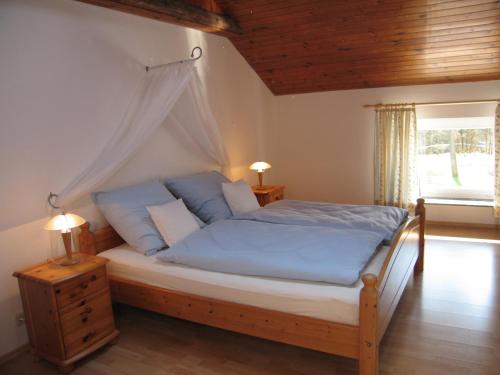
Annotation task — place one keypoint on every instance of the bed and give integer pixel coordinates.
(346, 321)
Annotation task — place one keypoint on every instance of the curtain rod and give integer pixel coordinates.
(436, 103)
(193, 58)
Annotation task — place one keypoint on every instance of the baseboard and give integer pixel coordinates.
(14, 353)
(451, 224)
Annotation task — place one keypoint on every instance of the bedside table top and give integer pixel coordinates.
(266, 189)
(52, 273)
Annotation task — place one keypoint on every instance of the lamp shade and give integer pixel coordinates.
(260, 166)
(64, 222)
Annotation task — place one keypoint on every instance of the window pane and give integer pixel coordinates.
(456, 163)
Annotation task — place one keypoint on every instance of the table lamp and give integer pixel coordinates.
(260, 167)
(64, 222)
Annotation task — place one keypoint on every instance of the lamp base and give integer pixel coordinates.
(67, 262)
(257, 187)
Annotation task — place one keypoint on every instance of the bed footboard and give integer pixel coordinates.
(381, 293)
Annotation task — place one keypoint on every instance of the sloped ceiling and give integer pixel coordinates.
(299, 46)
(316, 45)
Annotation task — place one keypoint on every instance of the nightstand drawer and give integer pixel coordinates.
(276, 195)
(79, 287)
(86, 312)
(84, 337)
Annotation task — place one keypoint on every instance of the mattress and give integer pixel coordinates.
(317, 300)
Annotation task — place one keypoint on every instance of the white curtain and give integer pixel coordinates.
(193, 120)
(497, 161)
(151, 103)
(395, 156)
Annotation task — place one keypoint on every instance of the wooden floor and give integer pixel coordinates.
(448, 322)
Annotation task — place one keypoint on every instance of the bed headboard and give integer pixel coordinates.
(99, 240)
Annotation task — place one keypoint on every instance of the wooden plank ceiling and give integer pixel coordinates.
(299, 46)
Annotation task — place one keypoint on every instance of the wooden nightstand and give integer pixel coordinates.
(268, 194)
(67, 309)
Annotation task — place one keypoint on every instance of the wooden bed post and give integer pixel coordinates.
(86, 240)
(420, 212)
(368, 320)
(99, 240)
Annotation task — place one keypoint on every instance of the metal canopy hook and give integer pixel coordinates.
(51, 202)
(200, 51)
(193, 58)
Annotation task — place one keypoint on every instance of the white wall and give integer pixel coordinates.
(321, 144)
(67, 70)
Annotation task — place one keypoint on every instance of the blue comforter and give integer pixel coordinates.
(378, 219)
(293, 240)
(247, 247)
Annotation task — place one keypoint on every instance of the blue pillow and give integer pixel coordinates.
(125, 209)
(202, 194)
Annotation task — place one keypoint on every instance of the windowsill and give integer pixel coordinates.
(459, 202)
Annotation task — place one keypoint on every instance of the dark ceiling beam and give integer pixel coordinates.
(178, 12)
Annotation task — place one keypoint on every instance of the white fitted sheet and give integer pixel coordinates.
(318, 300)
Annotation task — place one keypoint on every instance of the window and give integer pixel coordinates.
(456, 158)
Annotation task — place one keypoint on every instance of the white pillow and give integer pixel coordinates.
(173, 220)
(240, 197)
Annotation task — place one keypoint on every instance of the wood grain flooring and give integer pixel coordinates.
(448, 322)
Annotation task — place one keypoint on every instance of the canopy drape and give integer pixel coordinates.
(198, 126)
(151, 104)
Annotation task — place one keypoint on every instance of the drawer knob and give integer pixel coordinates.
(83, 302)
(88, 336)
(84, 285)
(93, 278)
(84, 320)
(87, 310)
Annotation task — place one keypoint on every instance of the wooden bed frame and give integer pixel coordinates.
(378, 300)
